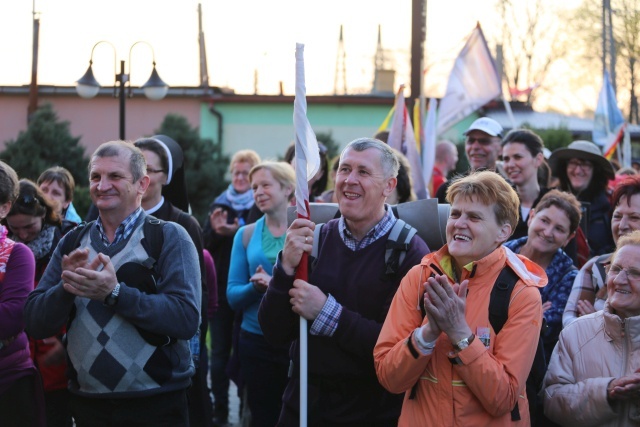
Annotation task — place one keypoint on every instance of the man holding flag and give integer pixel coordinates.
(346, 297)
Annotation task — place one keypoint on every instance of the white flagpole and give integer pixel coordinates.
(304, 370)
(507, 108)
(626, 148)
(307, 164)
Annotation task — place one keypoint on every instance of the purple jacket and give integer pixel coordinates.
(15, 362)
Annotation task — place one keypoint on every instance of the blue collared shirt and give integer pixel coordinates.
(124, 229)
(327, 321)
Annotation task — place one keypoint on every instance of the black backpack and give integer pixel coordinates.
(498, 315)
(396, 247)
(152, 241)
(143, 276)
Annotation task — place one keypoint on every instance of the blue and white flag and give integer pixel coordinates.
(608, 123)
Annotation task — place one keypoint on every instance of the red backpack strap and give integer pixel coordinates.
(582, 248)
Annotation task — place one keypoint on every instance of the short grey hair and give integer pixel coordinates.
(390, 162)
(137, 162)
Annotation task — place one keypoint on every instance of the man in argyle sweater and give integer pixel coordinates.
(129, 324)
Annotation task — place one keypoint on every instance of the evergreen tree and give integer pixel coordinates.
(333, 148)
(47, 142)
(205, 163)
(554, 138)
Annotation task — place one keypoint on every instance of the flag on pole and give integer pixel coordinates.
(417, 125)
(385, 124)
(608, 123)
(307, 159)
(474, 81)
(401, 138)
(429, 147)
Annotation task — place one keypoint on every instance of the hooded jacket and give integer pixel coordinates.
(484, 389)
(592, 351)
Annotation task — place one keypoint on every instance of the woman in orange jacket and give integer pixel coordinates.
(446, 358)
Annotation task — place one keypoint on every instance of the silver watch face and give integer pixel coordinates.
(463, 343)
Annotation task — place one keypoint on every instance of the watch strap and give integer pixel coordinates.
(464, 343)
(112, 298)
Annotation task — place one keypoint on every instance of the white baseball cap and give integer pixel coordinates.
(486, 125)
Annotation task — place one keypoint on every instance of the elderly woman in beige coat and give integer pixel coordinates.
(594, 373)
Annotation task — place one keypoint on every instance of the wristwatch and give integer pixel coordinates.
(112, 298)
(464, 343)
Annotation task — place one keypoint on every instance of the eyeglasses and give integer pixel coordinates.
(584, 165)
(150, 170)
(240, 174)
(633, 275)
(481, 141)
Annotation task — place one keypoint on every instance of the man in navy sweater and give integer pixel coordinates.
(346, 298)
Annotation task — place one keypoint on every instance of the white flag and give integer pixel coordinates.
(473, 82)
(429, 147)
(307, 154)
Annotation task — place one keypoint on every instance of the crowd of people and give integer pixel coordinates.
(525, 316)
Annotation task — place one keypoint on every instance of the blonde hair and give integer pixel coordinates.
(248, 156)
(281, 171)
(632, 238)
(490, 189)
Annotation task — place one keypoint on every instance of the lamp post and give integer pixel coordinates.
(154, 89)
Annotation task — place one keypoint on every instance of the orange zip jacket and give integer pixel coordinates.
(485, 388)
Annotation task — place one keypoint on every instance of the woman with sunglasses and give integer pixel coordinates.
(593, 377)
(582, 170)
(33, 220)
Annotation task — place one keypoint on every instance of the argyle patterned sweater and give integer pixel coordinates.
(108, 356)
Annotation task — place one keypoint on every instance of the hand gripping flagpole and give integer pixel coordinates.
(307, 158)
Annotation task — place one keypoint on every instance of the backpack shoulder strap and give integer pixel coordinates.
(397, 246)
(316, 240)
(500, 297)
(74, 236)
(153, 239)
(247, 233)
(499, 311)
(599, 264)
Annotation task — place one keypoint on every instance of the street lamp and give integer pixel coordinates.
(154, 89)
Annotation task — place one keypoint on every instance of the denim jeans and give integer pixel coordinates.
(264, 369)
(220, 332)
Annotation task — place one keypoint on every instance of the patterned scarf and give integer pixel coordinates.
(41, 245)
(238, 201)
(6, 245)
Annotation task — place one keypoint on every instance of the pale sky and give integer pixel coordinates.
(241, 36)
